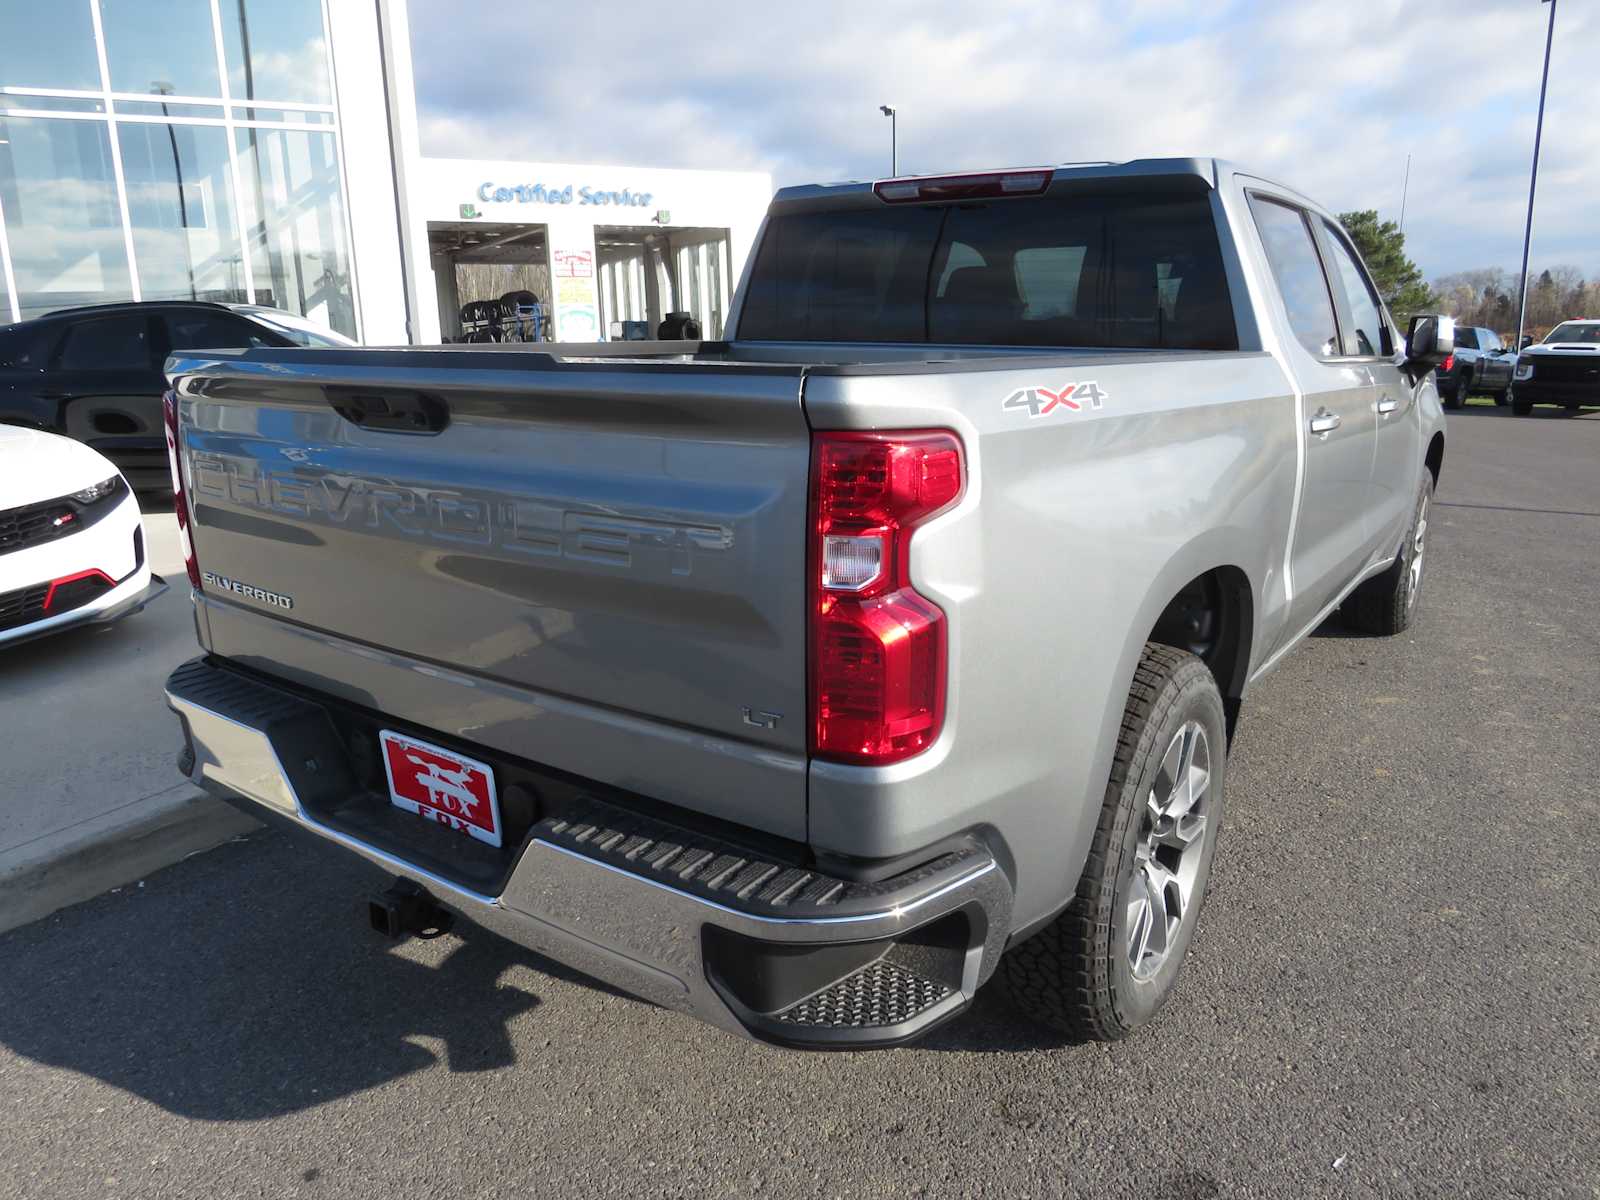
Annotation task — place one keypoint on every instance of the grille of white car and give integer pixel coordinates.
(33, 524)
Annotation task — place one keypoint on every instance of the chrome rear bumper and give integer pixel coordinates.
(764, 948)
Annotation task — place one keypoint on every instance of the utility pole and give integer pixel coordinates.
(1533, 176)
(893, 114)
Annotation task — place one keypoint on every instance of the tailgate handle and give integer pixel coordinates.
(390, 410)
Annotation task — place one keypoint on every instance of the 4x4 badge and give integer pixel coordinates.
(1039, 401)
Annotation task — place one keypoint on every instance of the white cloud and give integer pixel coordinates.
(1329, 97)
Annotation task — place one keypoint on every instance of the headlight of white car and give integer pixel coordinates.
(98, 492)
(1524, 370)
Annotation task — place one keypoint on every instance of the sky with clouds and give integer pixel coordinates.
(1328, 95)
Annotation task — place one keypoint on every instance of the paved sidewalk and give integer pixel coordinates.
(90, 797)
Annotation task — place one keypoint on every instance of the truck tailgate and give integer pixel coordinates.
(594, 565)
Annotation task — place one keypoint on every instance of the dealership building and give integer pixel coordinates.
(267, 151)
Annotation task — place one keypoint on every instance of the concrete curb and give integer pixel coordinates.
(80, 862)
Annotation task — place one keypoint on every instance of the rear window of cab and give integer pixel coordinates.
(1097, 270)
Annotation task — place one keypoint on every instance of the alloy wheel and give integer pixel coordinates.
(1161, 893)
(1418, 545)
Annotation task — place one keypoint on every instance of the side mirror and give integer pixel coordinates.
(1431, 340)
(1527, 340)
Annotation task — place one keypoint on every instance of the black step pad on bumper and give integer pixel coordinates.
(883, 993)
(732, 875)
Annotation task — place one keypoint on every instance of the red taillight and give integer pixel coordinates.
(877, 647)
(963, 187)
(1449, 363)
(180, 499)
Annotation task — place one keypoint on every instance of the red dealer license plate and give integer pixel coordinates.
(441, 785)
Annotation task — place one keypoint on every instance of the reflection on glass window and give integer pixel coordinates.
(60, 202)
(48, 45)
(180, 199)
(276, 50)
(294, 221)
(161, 46)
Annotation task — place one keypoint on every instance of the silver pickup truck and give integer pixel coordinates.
(804, 680)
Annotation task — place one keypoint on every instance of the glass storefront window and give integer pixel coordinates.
(276, 50)
(294, 223)
(48, 45)
(52, 104)
(162, 46)
(180, 200)
(59, 197)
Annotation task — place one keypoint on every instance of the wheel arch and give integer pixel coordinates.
(1213, 616)
(1434, 458)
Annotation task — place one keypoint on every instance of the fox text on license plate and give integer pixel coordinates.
(456, 791)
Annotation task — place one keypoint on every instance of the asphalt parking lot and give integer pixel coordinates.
(1395, 991)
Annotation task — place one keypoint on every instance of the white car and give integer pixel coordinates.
(72, 547)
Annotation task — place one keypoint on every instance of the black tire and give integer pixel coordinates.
(1076, 974)
(1501, 397)
(1452, 399)
(1520, 408)
(1387, 604)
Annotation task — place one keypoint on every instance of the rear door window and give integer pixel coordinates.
(19, 349)
(1055, 270)
(113, 343)
(1292, 254)
(208, 331)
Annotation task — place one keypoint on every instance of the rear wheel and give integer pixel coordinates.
(1501, 397)
(1385, 605)
(1453, 398)
(1521, 408)
(1110, 960)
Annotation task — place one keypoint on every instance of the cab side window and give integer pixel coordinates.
(1292, 254)
(1366, 336)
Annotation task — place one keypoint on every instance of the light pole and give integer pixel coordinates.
(892, 113)
(1533, 176)
(163, 89)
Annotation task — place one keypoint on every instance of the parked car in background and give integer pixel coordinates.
(792, 680)
(1563, 369)
(72, 547)
(1481, 365)
(94, 374)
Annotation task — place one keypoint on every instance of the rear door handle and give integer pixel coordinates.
(1323, 421)
(1387, 404)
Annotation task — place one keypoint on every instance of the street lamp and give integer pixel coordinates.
(164, 89)
(1533, 176)
(892, 113)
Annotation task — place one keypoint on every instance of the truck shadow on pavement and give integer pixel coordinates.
(244, 984)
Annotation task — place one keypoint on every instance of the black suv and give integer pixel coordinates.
(94, 373)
